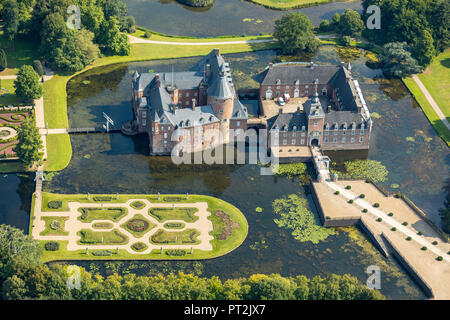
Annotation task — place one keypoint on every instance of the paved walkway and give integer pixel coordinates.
(430, 99)
(73, 225)
(134, 39)
(390, 221)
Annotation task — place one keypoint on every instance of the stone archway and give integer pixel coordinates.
(315, 142)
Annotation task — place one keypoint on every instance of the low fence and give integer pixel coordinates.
(16, 107)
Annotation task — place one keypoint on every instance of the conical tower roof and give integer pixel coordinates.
(221, 88)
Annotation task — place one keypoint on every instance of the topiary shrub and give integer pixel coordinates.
(55, 225)
(348, 187)
(390, 214)
(439, 258)
(138, 246)
(423, 248)
(393, 228)
(175, 252)
(408, 238)
(350, 201)
(51, 246)
(147, 34)
(336, 193)
(362, 195)
(434, 243)
(54, 204)
(37, 66)
(376, 205)
(420, 233)
(364, 210)
(379, 219)
(102, 198)
(101, 253)
(405, 223)
(328, 217)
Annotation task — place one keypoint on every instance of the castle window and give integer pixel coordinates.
(275, 142)
(303, 134)
(326, 139)
(195, 94)
(294, 128)
(144, 122)
(316, 123)
(187, 102)
(361, 139)
(168, 128)
(362, 128)
(187, 94)
(284, 142)
(294, 134)
(293, 141)
(334, 139)
(302, 141)
(344, 139)
(303, 128)
(352, 139)
(144, 114)
(165, 143)
(165, 135)
(238, 123)
(278, 81)
(287, 87)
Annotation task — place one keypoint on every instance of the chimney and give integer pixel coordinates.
(158, 82)
(270, 65)
(207, 70)
(216, 52)
(193, 104)
(175, 96)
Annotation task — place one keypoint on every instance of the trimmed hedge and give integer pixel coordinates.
(175, 252)
(101, 253)
(102, 198)
(51, 246)
(55, 204)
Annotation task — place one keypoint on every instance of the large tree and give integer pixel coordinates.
(11, 19)
(350, 23)
(27, 83)
(397, 60)
(3, 60)
(295, 33)
(29, 145)
(114, 42)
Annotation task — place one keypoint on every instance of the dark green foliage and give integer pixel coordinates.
(397, 60)
(364, 210)
(362, 195)
(197, 3)
(295, 33)
(350, 23)
(345, 40)
(434, 243)
(3, 60)
(54, 204)
(423, 25)
(439, 258)
(37, 66)
(324, 25)
(376, 205)
(114, 42)
(11, 17)
(379, 219)
(445, 212)
(27, 83)
(408, 238)
(30, 144)
(51, 246)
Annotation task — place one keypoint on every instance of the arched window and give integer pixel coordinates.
(362, 128)
(327, 128)
(353, 128)
(336, 128)
(344, 127)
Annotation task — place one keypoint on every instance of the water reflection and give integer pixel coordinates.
(225, 17)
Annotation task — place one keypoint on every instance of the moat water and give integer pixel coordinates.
(403, 140)
(225, 17)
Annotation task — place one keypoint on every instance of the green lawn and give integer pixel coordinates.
(436, 79)
(20, 53)
(220, 247)
(48, 231)
(8, 96)
(438, 125)
(102, 237)
(113, 214)
(59, 152)
(288, 4)
(164, 214)
(188, 236)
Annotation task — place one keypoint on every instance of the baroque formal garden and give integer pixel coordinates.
(86, 227)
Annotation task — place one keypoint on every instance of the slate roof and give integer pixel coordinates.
(341, 117)
(297, 119)
(304, 74)
(239, 110)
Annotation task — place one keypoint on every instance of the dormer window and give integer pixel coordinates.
(362, 128)
(278, 81)
(297, 82)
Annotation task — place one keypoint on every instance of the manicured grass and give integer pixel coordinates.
(18, 53)
(102, 225)
(174, 225)
(163, 237)
(436, 79)
(438, 125)
(102, 238)
(164, 214)
(48, 231)
(288, 4)
(140, 33)
(59, 152)
(138, 218)
(113, 214)
(55, 102)
(9, 98)
(220, 247)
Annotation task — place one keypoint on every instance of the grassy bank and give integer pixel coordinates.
(288, 4)
(59, 152)
(438, 125)
(220, 247)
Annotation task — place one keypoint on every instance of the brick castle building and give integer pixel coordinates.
(334, 116)
(192, 109)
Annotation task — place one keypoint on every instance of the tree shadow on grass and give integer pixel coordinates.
(446, 62)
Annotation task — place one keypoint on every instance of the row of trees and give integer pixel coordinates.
(67, 49)
(23, 276)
